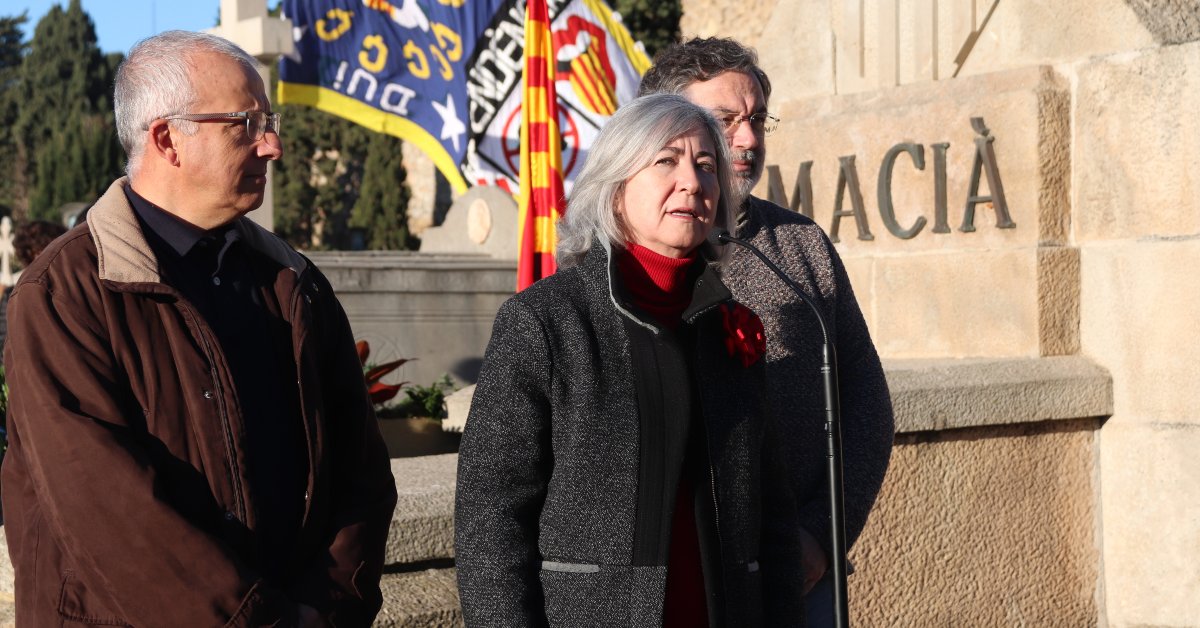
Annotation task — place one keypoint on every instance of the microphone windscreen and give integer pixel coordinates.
(717, 236)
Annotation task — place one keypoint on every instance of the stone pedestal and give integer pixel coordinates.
(437, 309)
(483, 220)
(1090, 104)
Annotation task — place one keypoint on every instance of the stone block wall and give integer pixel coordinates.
(989, 511)
(948, 291)
(1139, 233)
(434, 308)
(983, 527)
(1091, 104)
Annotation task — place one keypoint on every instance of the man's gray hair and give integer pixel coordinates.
(698, 60)
(155, 80)
(627, 144)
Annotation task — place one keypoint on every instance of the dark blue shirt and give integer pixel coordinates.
(231, 286)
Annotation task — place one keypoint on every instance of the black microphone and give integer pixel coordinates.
(833, 432)
(719, 237)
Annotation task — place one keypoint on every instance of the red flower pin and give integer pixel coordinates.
(744, 336)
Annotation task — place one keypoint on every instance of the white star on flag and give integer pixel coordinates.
(452, 127)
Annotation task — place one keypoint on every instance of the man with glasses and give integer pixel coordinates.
(191, 442)
(723, 76)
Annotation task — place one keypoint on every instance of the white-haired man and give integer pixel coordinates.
(191, 442)
(723, 76)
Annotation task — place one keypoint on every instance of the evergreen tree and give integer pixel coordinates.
(321, 177)
(65, 130)
(655, 23)
(318, 180)
(381, 209)
(12, 51)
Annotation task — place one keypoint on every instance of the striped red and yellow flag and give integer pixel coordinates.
(541, 173)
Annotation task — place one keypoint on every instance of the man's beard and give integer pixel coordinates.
(743, 182)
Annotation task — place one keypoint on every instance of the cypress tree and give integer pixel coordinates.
(326, 168)
(64, 126)
(12, 51)
(382, 206)
(318, 180)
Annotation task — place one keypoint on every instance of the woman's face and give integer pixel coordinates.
(670, 205)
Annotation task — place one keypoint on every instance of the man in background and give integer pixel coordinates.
(723, 76)
(191, 441)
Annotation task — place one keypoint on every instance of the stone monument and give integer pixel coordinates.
(1012, 187)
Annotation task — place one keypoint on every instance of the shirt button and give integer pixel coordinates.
(216, 281)
(228, 516)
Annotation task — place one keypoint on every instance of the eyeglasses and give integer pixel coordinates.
(764, 122)
(257, 122)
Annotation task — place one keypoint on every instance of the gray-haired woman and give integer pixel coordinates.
(615, 469)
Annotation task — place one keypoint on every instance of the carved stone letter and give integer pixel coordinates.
(985, 160)
(802, 196)
(848, 178)
(883, 189)
(941, 223)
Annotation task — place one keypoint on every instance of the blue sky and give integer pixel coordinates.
(121, 23)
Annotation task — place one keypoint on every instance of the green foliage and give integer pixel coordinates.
(381, 209)
(329, 165)
(423, 401)
(655, 23)
(12, 50)
(64, 128)
(318, 179)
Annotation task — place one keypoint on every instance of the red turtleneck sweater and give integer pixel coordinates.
(659, 286)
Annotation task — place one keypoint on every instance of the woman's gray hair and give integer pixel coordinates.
(155, 80)
(628, 143)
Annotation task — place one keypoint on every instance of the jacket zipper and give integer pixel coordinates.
(296, 314)
(712, 484)
(218, 391)
(233, 468)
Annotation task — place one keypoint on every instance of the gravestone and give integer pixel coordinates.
(484, 220)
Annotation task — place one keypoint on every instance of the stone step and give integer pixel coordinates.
(420, 599)
(423, 524)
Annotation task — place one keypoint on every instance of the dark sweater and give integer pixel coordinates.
(803, 251)
(662, 287)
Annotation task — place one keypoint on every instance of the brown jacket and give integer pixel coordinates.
(125, 491)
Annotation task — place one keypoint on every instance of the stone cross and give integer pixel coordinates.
(6, 251)
(246, 23)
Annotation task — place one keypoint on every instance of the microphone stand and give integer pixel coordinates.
(833, 436)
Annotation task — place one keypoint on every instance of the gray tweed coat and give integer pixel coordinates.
(802, 250)
(548, 524)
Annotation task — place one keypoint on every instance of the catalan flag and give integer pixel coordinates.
(541, 172)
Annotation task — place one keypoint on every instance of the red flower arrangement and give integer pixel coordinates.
(744, 335)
